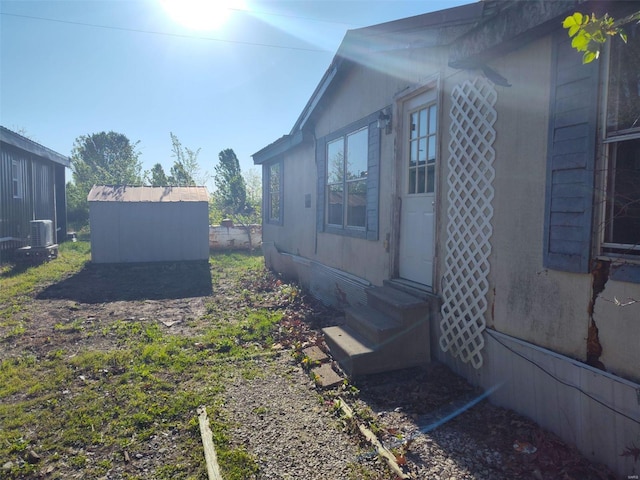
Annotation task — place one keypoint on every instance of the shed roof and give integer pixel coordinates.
(15, 139)
(120, 193)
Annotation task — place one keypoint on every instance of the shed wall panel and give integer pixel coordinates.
(130, 232)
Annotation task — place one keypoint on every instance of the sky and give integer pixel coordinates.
(143, 69)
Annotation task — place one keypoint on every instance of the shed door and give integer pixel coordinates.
(417, 220)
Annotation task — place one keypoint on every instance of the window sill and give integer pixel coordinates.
(346, 232)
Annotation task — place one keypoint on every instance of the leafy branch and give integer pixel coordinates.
(589, 33)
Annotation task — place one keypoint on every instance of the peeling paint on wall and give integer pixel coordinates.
(600, 276)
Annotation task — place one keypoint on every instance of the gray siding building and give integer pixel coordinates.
(32, 187)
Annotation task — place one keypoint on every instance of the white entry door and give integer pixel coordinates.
(417, 220)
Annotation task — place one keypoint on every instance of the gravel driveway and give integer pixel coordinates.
(296, 433)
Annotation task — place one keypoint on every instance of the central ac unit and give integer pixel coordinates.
(41, 233)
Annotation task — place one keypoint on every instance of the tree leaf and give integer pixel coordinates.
(589, 57)
(580, 18)
(569, 22)
(581, 41)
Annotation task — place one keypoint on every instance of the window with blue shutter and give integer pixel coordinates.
(593, 185)
(348, 163)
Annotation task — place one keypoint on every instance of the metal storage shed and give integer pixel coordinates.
(148, 224)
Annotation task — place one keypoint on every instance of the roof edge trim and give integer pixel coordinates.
(509, 30)
(23, 143)
(279, 147)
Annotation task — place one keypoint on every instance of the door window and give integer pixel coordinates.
(422, 150)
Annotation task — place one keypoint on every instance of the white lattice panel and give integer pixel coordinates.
(470, 182)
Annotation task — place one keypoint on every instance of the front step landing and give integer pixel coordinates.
(391, 333)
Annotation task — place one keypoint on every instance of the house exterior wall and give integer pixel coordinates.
(129, 232)
(367, 89)
(540, 317)
(296, 234)
(543, 306)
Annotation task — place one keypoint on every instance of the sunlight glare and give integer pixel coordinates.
(201, 14)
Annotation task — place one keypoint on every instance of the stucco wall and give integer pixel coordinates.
(297, 233)
(619, 328)
(366, 89)
(546, 307)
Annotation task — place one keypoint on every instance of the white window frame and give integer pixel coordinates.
(346, 182)
(17, 177)
(271, 218)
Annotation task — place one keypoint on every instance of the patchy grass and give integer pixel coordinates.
(89, 410)
(20, 281)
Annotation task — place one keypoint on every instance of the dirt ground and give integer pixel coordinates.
(170, 293)
(402, 401)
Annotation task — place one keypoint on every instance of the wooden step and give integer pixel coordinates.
(372, 324)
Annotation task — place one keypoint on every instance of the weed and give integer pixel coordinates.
(357, 471)
(104, 466)
(260, 410)
(73, 327)
(16, 331)
(78, 461)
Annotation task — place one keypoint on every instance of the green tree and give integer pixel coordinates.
(105, 158)
(589, 33)
(253, 182)
(185, 170)
(232, 199)
(158, 177)
(231, 191)
(77, 206)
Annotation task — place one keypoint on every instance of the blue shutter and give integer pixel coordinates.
(321, 164)
(373, 182)
(570, 159)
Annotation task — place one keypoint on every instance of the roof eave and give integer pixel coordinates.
(515, 26)
(463, 14)
(318, 93)
(279, 147)
(16, 140)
